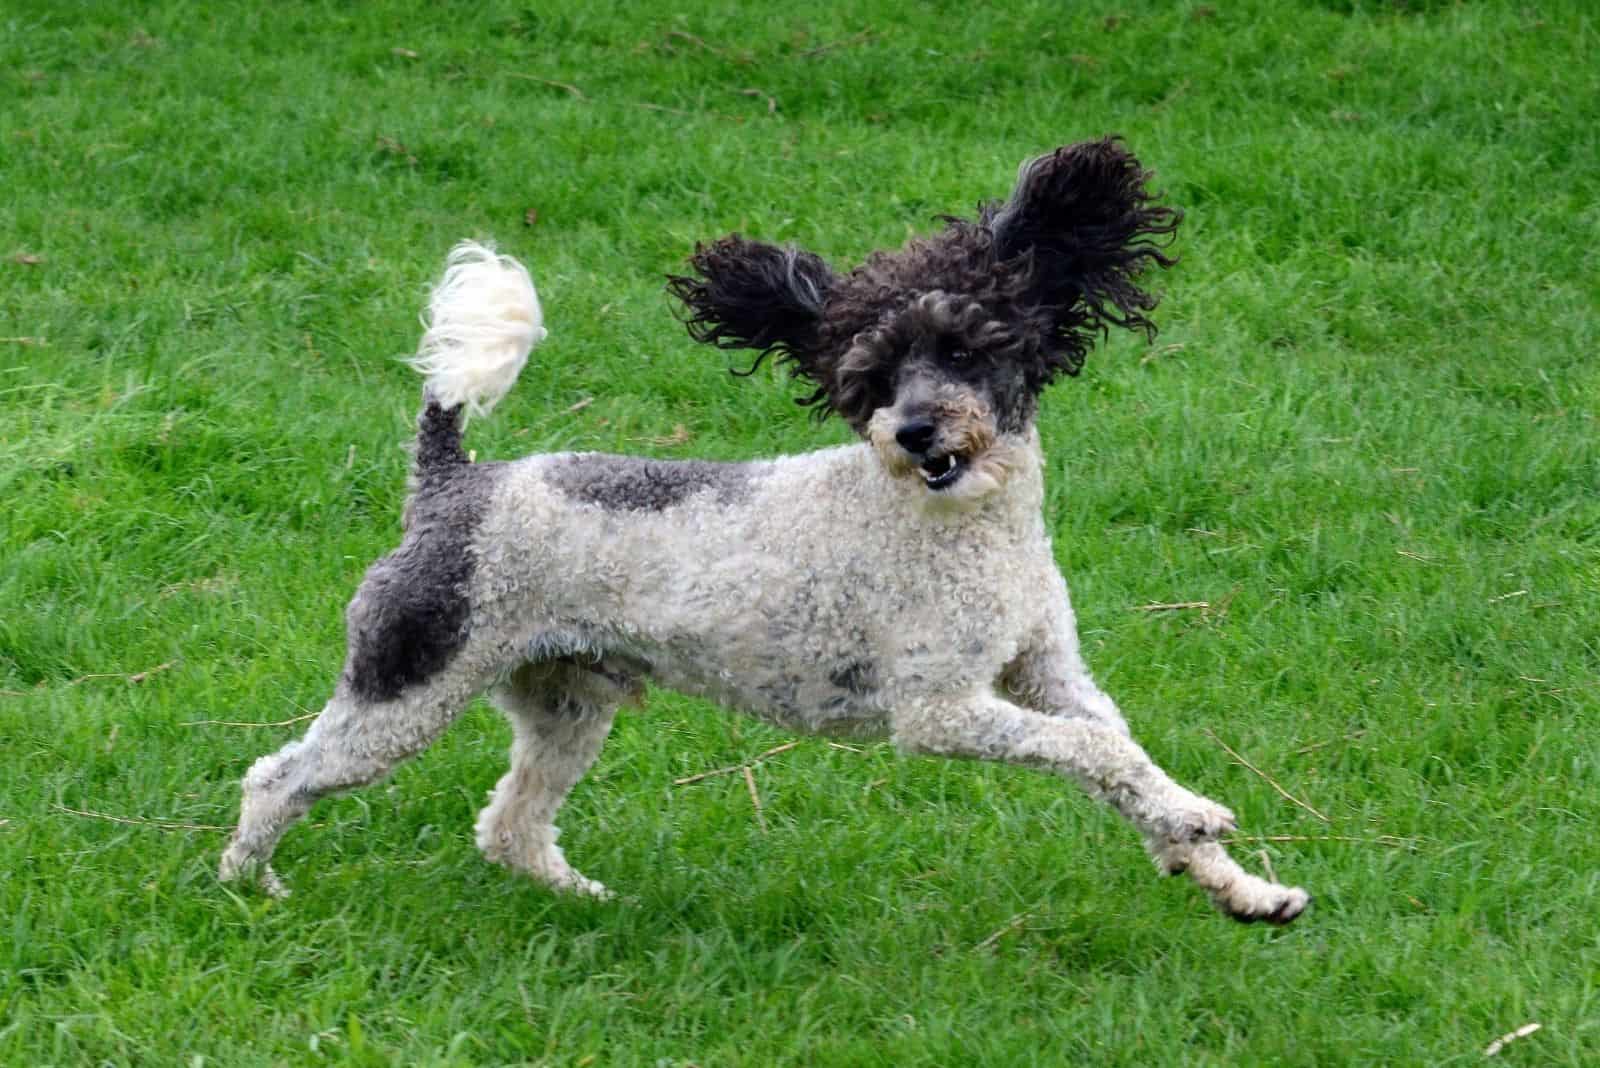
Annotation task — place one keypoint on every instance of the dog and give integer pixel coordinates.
(902, 585)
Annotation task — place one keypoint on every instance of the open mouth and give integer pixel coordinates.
(941, 472)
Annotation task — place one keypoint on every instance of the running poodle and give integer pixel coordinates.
(901, 585)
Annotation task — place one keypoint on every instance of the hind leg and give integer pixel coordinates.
(354, 742)
(560, 713)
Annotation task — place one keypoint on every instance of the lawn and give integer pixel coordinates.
(1363, 450)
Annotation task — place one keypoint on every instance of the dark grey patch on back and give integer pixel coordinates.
(640, 484)
(412, 614)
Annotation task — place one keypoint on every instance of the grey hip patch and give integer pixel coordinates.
(412, 612)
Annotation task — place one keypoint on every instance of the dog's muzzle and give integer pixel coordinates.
(939, 470)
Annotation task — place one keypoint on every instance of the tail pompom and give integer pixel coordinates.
(482, 321)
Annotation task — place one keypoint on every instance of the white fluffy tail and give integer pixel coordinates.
(482, 321)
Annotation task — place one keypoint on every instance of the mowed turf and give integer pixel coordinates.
(1366, 439)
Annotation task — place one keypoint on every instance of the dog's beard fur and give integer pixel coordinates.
(966, 428)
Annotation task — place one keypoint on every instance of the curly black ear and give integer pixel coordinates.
(752, 295)
(1084, 217)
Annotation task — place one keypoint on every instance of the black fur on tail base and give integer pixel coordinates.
(438, 437)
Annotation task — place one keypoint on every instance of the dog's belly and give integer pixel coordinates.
(841, 701)
(831, 656)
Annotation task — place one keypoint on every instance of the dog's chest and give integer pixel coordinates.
(954, 604)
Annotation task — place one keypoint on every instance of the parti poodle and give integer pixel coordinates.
(903, 585)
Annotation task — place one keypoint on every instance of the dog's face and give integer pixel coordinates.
(937, 353)
(937, 390)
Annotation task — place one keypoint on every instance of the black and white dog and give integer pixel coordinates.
(903, 585)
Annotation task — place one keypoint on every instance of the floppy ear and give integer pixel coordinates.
(1080, 227)
(752, 295)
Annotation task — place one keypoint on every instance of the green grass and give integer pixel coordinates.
(1367, 435)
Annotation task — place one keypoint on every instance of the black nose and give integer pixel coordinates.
(916, 437)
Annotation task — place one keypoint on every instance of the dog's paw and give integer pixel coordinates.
(543, 864)
(235, 866)
(1245, 897)
(581, 885)
(1277, 905)
(270, 884)
(230, 867)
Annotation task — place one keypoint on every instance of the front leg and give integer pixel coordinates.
(1048, 675)
(1180, 828)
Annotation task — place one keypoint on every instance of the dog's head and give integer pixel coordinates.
(937, 353)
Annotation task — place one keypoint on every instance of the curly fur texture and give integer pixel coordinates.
(903, 585)
(751, 295)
